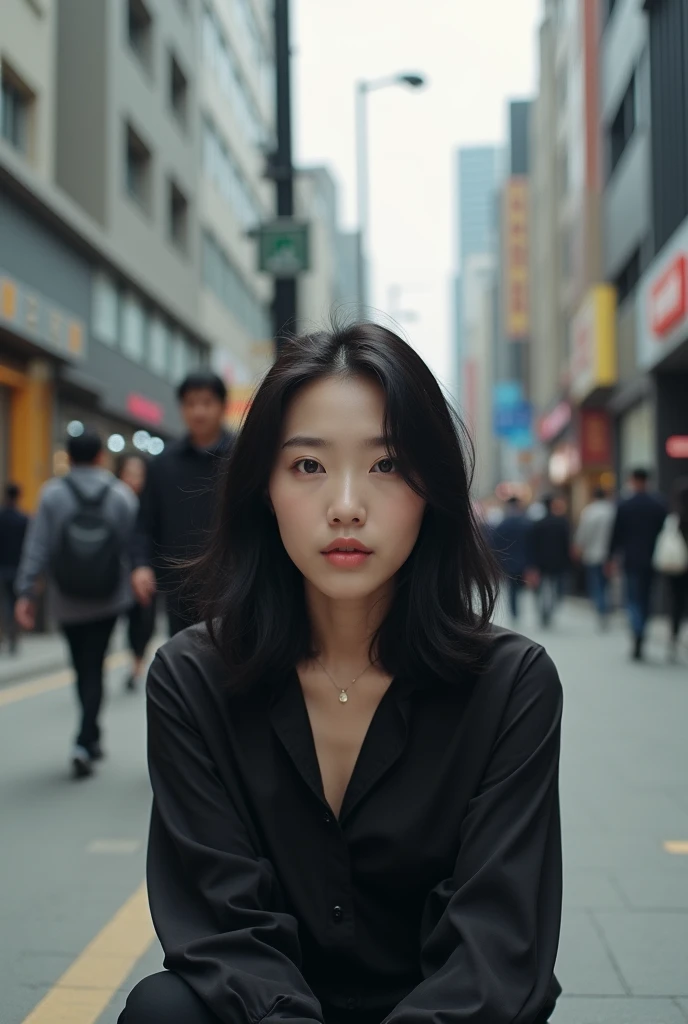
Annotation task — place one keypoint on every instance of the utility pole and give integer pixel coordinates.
(284, 301)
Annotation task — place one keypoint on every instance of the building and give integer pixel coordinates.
(132, 151)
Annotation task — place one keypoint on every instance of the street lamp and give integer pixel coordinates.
(413, 81)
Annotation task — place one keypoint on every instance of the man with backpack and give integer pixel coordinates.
(79, 540)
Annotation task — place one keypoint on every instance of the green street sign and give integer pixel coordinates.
(283, 247)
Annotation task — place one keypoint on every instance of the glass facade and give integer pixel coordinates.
(219, 56)
(222, 278)
(222, 169)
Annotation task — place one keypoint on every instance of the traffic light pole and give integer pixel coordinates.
(284, 301)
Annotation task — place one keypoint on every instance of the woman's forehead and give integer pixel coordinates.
(340, 406)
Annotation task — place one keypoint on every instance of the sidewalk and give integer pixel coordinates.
(42, 655)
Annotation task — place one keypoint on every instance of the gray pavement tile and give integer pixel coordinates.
(574, 1010)
(683, 1003)
(590, 889)
(650, 948)
(583, 965)
(650, 890)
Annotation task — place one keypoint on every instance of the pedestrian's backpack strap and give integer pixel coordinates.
(94, 501)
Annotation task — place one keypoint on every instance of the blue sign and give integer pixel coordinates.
(513, 419)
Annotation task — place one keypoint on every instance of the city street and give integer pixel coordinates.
(73, 920)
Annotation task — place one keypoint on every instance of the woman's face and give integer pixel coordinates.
(134, 474)
(348, 520)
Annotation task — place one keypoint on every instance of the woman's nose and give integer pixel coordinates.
(347, 507)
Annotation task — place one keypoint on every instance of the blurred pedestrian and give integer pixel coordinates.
(13, 526)
(508, 539)
(671, 558)
(639, 520)
(178, 499)
(140, 617)
(79, 539)
(550, 556)
(592, 547)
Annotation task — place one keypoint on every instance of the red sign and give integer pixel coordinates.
(669, 297)
(595, 438)
(677, 446)
(554, 422)
(145, 409)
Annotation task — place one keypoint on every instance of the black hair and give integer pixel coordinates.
(253, 598)
(203, 380)
(84, 449)
(12, 493)
(640, 474)
(599, 494)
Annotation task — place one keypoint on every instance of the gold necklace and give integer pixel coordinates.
(343, 693)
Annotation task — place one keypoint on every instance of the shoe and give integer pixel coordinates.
(637, 654)
(82, 763)
(96, 752)
(132, 684)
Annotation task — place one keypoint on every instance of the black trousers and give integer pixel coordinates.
(88, 643)
(679, 602)
(165, 998)
(8, 623)
(141, 626)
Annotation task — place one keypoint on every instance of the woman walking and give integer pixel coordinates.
(355, 774)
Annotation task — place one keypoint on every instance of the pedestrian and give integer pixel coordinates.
(140, 617)
(671, 558)
(550, 557)
(178, 499)
(509, 541)
(592, 546)
(13, 526)
(347, 727)
(79, 539)
(639, 520)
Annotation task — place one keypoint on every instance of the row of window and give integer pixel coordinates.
(228, 285)
(219, 56)
(140, 35)
(120, 320)
(138, 175)
(221, 167)
(15, 110)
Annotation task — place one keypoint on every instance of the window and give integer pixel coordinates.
(178, 361)
(628, 278)
(178, 214)
(134, 325)
(105, 310)
(223, 170)
(138, 169)
(622, 126)
(158, 347)
(222, 278)
(15, 112)
(179, 89)
(140, 31)
(221, 59)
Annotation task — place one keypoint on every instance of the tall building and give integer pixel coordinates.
(132, 152)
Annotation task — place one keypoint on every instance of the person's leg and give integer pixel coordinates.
(633, 603)
(12, 627)
(141, 625)
(513, 584)
(546, 598)
(88, 642)
(165, 998)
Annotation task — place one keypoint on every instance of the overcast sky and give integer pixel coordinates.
(477, 54)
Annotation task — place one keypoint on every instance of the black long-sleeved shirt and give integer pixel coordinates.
(176, 508)
(638, 523)
(436, 896)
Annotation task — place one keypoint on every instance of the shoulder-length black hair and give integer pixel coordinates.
(253, 595)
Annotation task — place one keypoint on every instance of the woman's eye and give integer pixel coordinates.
(385, 466)
(307, 466)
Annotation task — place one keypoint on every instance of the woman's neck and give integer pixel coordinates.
(343, 629)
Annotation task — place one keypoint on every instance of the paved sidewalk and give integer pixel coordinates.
(37, 656)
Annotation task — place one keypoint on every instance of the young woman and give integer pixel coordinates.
(132, 472)
(355, 775)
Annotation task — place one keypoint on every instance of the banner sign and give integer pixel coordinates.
(516, 260)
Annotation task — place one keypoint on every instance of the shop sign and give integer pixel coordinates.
(564, 464)
(145, 410)
(554, 423)
(677, 446)
(593, 343)
(30, 314)
(516, 260)
(663, 302)
(595, 438)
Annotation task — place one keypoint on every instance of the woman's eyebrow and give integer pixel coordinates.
(302, 441)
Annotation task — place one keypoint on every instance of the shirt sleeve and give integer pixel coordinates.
(490, 932)
(215, 901)
(35, 556)
(146, 532)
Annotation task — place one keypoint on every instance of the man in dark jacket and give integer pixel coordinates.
(178, 499)
(509, 542)
(639, 520)
(13, 525)
(550, 556)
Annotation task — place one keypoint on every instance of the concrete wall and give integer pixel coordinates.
(27, 43)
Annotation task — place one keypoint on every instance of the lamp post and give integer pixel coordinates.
(414, 81)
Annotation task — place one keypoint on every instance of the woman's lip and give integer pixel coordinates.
(345, 544)
(346, 559)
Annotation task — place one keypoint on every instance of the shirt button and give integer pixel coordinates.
(337, 914)
(327, 818)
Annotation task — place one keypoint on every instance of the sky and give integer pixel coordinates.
(476, 56)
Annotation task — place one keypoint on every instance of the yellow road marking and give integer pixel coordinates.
(86, 988)
(56, 681)
(676, 846)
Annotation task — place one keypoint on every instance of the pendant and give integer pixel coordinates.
(343, 697)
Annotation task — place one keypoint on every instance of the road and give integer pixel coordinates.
(74, 929)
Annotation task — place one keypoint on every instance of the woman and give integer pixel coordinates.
(132, 471)
(678, 584)
(355, 775)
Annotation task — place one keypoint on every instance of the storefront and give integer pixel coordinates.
(662, 336)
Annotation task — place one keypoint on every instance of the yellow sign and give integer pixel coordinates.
(593, 343)
(516, 260)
